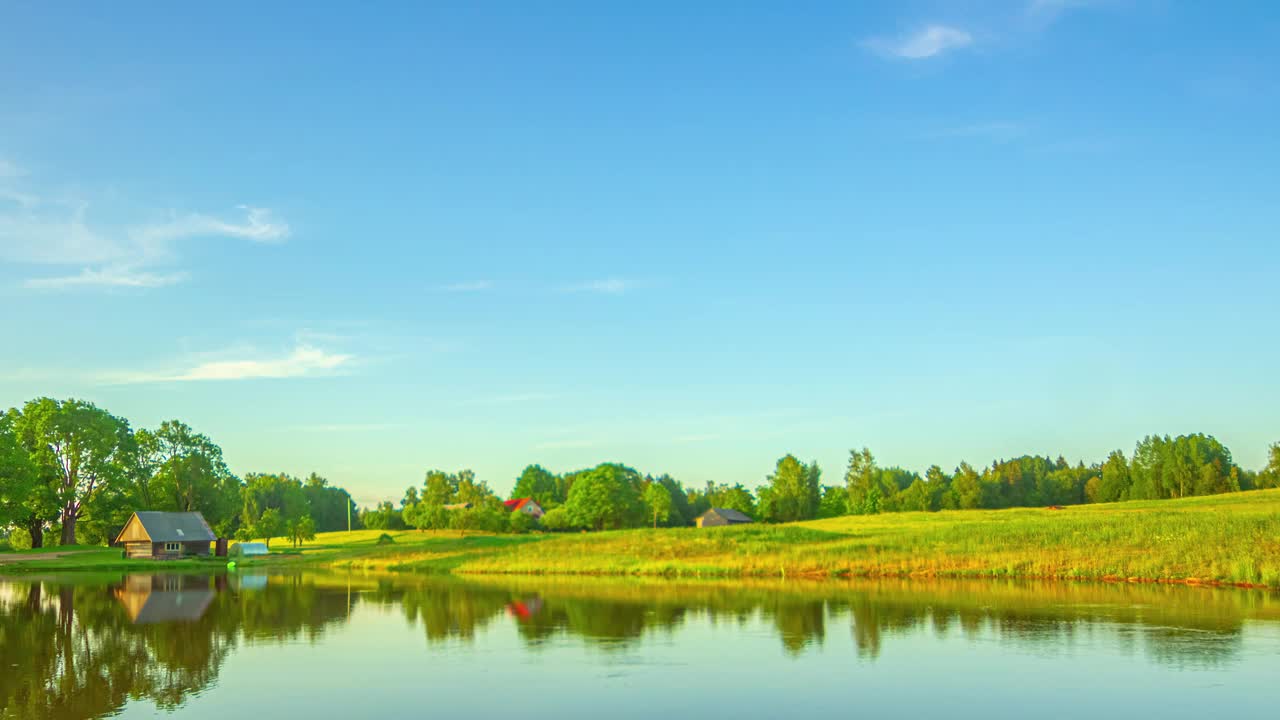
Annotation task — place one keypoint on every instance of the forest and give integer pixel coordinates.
(71, 473)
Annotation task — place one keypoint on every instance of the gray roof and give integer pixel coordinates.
(181, 606)
(730, 514)
(175, 526)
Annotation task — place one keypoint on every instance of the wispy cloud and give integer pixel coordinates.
(927, 42)
(118, 276)
(466, 287)
(258, 225)
(303, 361)
(9, 170)
(607, 286)
(41, 230)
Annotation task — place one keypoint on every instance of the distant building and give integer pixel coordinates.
(249, 549)
(528, 506)
(458, 506)
(718, 517)
(166, 535)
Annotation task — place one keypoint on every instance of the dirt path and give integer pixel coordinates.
(6, 558)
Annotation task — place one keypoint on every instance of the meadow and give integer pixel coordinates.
(1223, 539)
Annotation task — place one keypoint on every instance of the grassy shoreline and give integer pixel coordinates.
(1217, 540)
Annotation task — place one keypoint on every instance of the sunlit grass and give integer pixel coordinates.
(1223, 539)
(1220, 539)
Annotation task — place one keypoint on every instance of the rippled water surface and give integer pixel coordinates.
(339, 646)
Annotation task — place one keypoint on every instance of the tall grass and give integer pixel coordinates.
(1223, 539)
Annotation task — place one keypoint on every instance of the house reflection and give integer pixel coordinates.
(523, 610)
(154, 599)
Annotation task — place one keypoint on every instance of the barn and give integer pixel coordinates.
(717, 517)
(165, 535)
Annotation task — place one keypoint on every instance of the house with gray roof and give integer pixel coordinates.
(717, 517)
(166, 535)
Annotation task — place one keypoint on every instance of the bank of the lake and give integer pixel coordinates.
(1229, 539)
(1224, 539)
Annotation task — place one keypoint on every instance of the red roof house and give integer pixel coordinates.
(529, 506)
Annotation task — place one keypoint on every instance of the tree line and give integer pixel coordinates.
(613, 496)
(70, 468)
(77, 470)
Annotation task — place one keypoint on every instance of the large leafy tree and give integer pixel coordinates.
(862, 480)
(182, 470)
(1270, 476)
(26, 491)
(540, 484)
(280, 494)
(87, 450)
(439, 487)
(605, 497)
(681, 511)
(793, 491)
(967, 486)
(733, 497)
(329, 506)
(657, 502)
(471, 490)
(1197, 464)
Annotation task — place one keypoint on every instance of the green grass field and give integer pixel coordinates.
(1221, 539)
(1233, 539)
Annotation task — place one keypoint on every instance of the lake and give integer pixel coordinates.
(315, 645)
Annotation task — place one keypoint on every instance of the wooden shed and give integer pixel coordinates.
(718, 517)
(166, 535)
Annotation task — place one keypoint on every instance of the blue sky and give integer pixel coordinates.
(368, 241)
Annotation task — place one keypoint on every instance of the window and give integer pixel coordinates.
(172, 547)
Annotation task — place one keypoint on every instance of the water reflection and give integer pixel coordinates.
(83, 648)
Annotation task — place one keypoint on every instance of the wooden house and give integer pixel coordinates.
(719, 517)
(166, 535)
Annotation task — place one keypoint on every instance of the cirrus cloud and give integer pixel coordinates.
(927, 42)
(303, 361)
(39, 229)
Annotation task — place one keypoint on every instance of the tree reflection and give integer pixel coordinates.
(85, 649)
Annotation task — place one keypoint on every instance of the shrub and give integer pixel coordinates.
(520, 522)
(20, 539)
(385, 539)
(556, 520)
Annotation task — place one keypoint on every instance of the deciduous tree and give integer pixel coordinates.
(87, 449)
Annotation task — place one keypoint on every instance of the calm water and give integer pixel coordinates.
(336, 646)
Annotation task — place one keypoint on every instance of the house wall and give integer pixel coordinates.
(133, 532)
(156, 551)
(137, 549)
